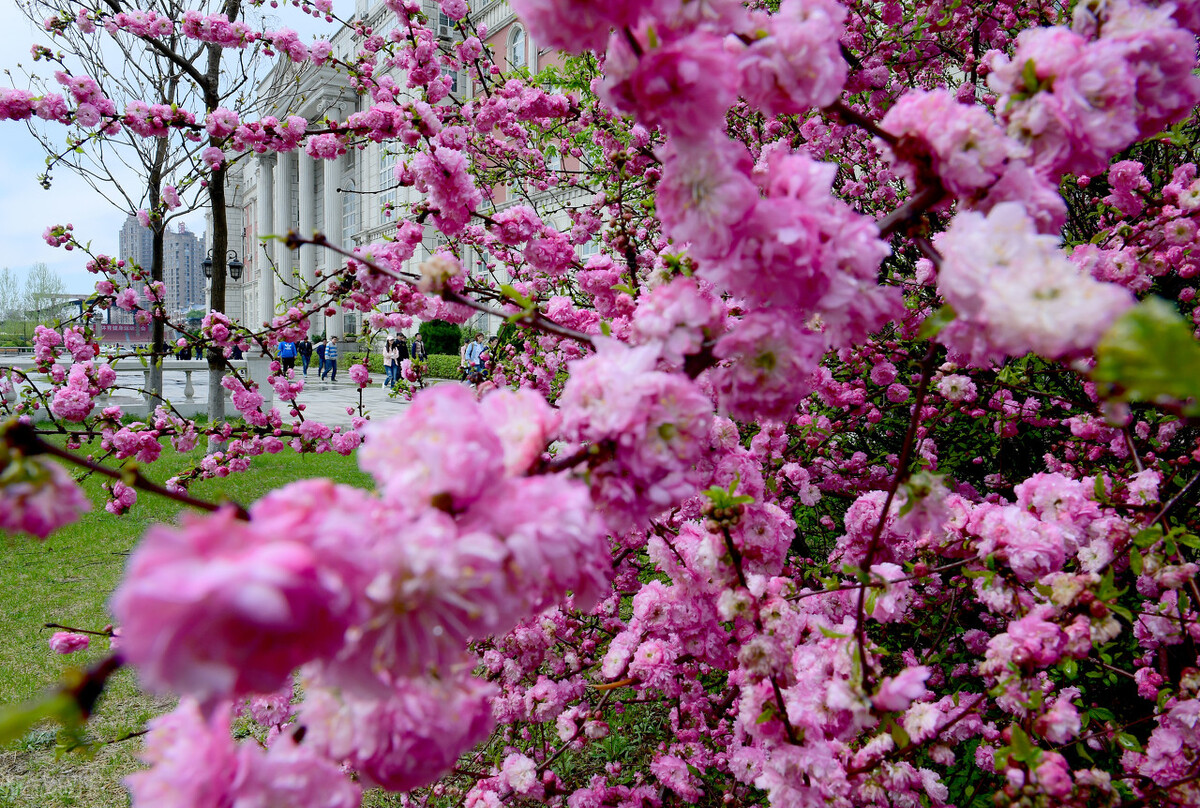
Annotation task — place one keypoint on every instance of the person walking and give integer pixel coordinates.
(320, 352)
(390, 360)
(287, 355)
(305, 349)
(418, 349)
(402, 347)
(331, 358)
(474, 355)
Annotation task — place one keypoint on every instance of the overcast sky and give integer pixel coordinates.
(25, 208)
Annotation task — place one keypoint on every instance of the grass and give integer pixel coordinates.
(67, 579)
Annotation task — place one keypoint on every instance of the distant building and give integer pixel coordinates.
(182, 274)
(345, 198)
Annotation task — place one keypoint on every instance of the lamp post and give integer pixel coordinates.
(234, 265)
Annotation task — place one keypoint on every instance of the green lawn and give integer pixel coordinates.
(67, 579)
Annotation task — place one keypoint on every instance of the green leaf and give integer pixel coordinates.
(832, 634)
(935, 322)
(768, 712)
(1135, 561)
(1023, 748)
(1029, 76)
(900, 736)
(1148, 537)
(1129, 742)
(1149, 354)
(17, 719)
(1070, 668)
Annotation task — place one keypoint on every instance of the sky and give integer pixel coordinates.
(26, 210)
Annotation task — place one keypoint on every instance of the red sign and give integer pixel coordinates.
(124, 332)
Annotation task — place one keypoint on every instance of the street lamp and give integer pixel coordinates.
(235, 266)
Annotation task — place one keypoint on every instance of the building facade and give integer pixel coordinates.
(350, 198)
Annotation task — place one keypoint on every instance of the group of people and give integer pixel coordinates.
(326, 351)
(474, 356)
(395, 351)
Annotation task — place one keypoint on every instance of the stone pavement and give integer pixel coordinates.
(327, 402)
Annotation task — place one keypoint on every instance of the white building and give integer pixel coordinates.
(342, 198)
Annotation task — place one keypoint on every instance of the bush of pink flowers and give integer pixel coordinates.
(858, 467)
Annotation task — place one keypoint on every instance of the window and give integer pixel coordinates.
(349, 212)
(349, 325)
(387, 177)
(517, 45)
(445, 27)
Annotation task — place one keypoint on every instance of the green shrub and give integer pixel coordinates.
(375, 365)
(442, 366)
(441, 337)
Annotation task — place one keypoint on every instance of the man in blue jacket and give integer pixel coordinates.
(287, 355)
(331, 357)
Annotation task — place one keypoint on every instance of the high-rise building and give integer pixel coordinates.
(182, 253)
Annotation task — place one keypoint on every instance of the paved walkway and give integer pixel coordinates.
(326, 401)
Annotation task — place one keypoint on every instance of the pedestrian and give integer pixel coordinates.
(390, 361)
(331, 358)
(237, 351)
(418, 349)
(287, 355)
(464, 367)
(489, 357)
(320, 352)
(305, 349)
(474, 355)
(402, 347)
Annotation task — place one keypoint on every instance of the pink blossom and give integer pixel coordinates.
(769, 361)
(897, 692)
(452, 193)
(194, 761)
(65, 642)
(38, 496)
(438, 450)
(1017, 290)
(655, 423)
(706, 192)
(215, 608)
(798, 63)
(577, 26)
(681, 85)
(360, 374)
(406, 740)
(967, 149)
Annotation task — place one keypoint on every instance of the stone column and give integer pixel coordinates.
(283, 223)
(308, 218)
(333, 231)
(265, 226)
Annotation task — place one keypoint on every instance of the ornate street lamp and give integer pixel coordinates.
(235, 266)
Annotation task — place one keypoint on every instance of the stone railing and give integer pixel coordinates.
(181, 378)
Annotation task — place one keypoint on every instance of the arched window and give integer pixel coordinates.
(517, 48)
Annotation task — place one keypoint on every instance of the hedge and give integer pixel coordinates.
(441, 366)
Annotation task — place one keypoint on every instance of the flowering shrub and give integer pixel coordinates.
(857, 467)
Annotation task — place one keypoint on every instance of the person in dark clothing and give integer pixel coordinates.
(402, 344)
(418, 349)
(305, 349)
